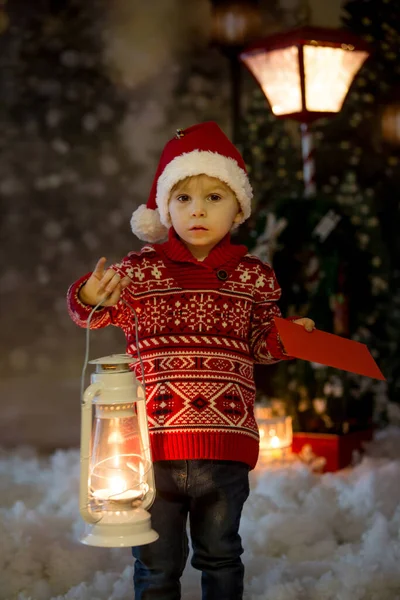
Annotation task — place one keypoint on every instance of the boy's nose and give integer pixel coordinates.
(198, 209)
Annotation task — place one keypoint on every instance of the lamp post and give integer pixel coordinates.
(117, 478)
(234, 24)
(305, 74)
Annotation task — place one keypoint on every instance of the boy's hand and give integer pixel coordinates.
(308, 324)
(103, 283)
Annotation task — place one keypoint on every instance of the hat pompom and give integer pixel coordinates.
(146, 225)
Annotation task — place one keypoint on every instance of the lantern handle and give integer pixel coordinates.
(86, 435)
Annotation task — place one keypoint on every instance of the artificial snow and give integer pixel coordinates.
(306, 536)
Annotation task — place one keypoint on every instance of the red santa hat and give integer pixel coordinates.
(200, 149)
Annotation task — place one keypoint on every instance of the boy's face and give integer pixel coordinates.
(202, 210)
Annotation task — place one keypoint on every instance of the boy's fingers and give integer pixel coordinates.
(110, 283)
(106, 279)
(112, 299)
(299, 321)
(99, 268)
(114, 296)
(309, 325)
(113, 282)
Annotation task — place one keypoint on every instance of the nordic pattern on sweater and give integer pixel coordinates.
(199, 338)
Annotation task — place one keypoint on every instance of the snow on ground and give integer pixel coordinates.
(306, 536)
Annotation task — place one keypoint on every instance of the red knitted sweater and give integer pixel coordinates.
(201, 326)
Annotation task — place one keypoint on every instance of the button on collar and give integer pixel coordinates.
(222, 275)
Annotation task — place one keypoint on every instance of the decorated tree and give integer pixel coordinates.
(334, 253)
(378, 22)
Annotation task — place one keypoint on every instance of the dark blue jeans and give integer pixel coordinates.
(211, 493)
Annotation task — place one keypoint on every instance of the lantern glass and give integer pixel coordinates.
(118, 467)
(329, 73)
(278, 74)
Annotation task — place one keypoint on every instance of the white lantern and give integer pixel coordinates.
(276, 435)
(117, 478)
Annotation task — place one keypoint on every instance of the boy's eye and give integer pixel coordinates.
(214, 197)
(183, 198)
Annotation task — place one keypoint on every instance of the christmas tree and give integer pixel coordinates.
(378, 22)
(334, 253)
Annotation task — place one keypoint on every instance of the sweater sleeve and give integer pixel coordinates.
(265, 343)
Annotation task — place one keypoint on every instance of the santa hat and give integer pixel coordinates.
(201, 149)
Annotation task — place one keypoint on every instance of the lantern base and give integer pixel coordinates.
(109, 534)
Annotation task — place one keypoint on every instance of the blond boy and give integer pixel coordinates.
(205, 311)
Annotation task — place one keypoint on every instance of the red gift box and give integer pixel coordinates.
(336, 449)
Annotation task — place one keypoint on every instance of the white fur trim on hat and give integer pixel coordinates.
(200, 162)
(146, 225)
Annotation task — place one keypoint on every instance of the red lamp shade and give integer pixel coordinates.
(306, 73)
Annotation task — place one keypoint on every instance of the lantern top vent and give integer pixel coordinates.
(114, 363)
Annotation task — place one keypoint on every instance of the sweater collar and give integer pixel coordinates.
(176, 250)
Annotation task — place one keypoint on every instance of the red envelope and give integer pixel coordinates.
(327, 349)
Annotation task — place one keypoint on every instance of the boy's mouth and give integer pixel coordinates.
(198, 228)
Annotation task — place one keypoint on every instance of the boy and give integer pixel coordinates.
(205, 313)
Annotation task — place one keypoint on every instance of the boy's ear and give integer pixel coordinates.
(238, 217)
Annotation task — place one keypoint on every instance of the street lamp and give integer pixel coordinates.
(117, 478)
(306, 74)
